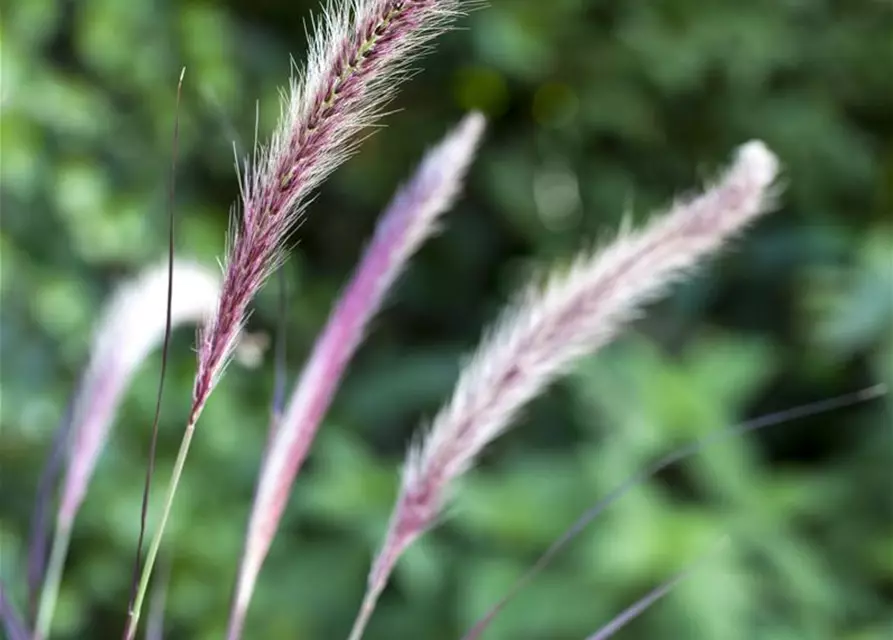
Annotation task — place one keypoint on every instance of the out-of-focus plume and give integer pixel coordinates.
(404, 226)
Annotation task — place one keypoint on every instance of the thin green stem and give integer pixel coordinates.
(366, 609)
(52, 581)
(133, 616)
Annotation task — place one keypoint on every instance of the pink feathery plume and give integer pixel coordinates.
(409, 220)
(132, 325)
(362, 50)
(552, 324)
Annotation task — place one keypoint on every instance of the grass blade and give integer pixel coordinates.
(686, 451)
(153, 444)
(637, 608)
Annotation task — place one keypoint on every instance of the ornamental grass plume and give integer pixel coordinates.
(571, 313)
(131, 327)
(408, 221)
(359, 54)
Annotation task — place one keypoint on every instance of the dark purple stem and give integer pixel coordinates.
(153, 444)
(637, 608)
(779, 417)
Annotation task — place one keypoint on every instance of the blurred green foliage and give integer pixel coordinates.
(598, 109)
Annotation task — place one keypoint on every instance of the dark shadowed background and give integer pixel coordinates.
(597, 109)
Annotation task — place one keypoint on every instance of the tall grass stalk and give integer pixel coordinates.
(408, 221)
(130, 329)
(360, 53)
(553, 323)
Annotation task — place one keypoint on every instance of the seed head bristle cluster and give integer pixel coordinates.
(361, 52)
(569, 313)
(574, 311)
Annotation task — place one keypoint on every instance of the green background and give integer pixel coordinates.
(596, 109)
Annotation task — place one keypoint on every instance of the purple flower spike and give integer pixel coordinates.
(408, 221)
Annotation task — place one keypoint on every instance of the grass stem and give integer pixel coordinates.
(52, 581)
(133, 616)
